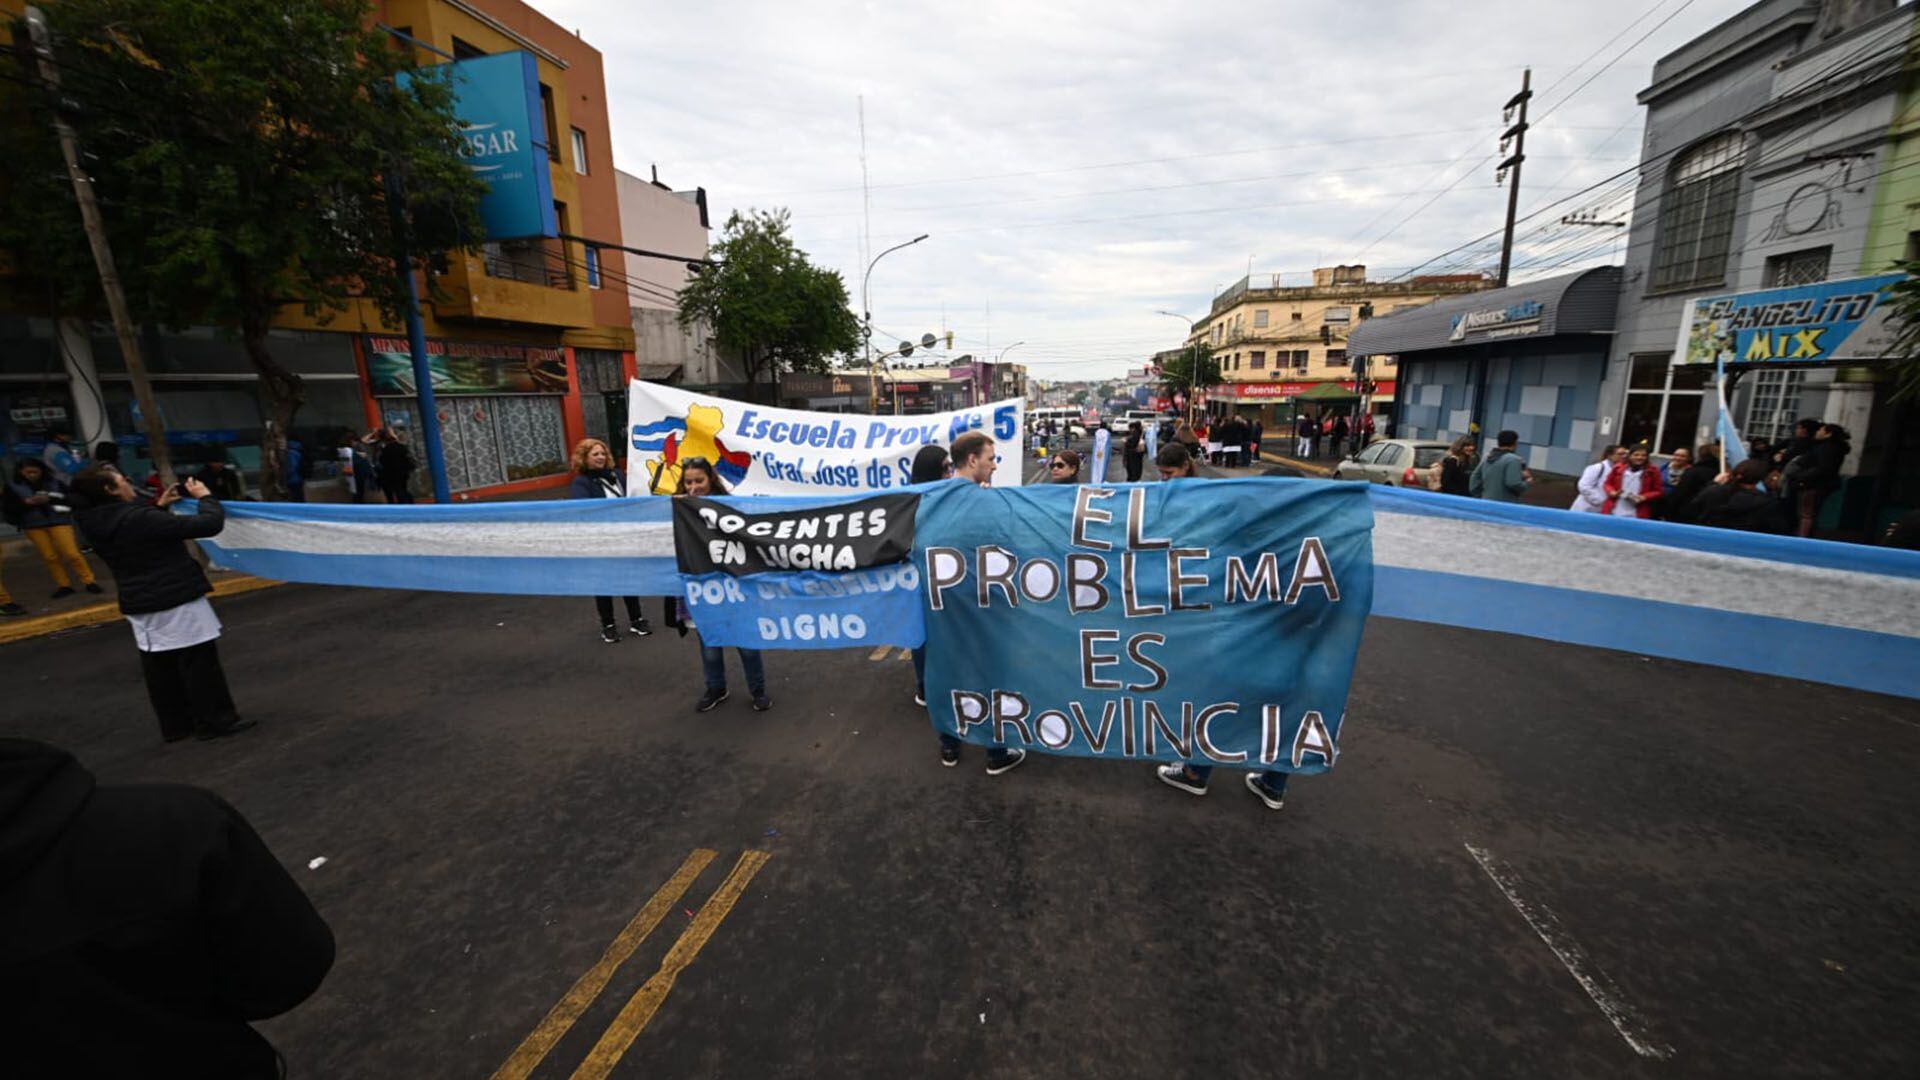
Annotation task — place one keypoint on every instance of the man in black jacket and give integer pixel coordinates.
(163, 594)
(141, 927)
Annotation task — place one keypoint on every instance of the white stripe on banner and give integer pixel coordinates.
(550, 539)
(1596, 564)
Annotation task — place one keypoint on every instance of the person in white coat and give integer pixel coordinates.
(1592, 481)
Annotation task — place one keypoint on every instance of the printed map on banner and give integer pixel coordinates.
(800, 573)
(1215, 622)
(761, 450)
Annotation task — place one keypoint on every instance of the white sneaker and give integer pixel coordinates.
(1175, 775)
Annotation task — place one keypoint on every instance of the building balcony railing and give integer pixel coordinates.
(535, 266)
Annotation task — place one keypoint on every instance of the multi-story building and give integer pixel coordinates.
(521, 334)
(1275, 342)
(1776, 168)
(656, 218)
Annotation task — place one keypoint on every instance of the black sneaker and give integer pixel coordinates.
(62, 592)
(1264, 793)
(761, 702)
(949, 756)
(920, 697)
(1176, 775)
(639, 628)
(94, 588)
(609, 635)
(1007, 764)
(708, 700)
(11, 608)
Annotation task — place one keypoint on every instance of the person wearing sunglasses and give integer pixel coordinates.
(1064, 468)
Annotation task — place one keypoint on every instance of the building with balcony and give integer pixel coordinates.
(522, 335)
(1276, 341)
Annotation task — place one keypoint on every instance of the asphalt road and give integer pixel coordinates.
(1530, 859)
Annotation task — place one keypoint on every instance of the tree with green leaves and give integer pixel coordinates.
(765, 303)
(1903, 300)
(245, 159)
(1192, 368)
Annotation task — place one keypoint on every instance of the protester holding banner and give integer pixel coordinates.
(1065, 468)
(973, 462)
(930, 465)
(1175, 462)
(698, 478)
(596, 477)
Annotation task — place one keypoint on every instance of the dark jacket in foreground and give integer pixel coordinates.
(141, 927)
(143, 546)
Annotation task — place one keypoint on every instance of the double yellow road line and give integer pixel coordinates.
(645, 1001)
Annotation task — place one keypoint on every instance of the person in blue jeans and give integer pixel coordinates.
(1269, 787)
(698, 479)
(1175, 464)
(973, 461)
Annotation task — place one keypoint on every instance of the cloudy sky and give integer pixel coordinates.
(1080, 165)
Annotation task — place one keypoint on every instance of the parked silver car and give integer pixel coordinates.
(1394, 462)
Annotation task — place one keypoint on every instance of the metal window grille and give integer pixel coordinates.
(1696, 224)
(1798, 267)
(1775, 404)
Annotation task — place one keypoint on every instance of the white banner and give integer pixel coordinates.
(762, 450)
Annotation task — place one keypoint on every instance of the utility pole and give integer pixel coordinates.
(40, 40)
(1509, 170)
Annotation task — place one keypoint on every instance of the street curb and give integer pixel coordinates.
(109, 611)
(1303, 466)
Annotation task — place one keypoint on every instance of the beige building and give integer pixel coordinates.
(654, 217)
(1275, 342)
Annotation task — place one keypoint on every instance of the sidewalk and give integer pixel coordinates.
(26, 578)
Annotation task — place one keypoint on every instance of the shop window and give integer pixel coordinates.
(1259, 361)
(1696, 218)
(579, 151)
(1663, 402)
(1775, 404)
(1797, 267)
(1260, 319)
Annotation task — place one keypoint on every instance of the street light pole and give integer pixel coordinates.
(866, 321)
(1193, 358)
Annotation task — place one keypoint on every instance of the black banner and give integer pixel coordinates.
(712, 537)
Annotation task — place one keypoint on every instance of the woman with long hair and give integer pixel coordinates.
(1632, 486)
(698, 479)
(1814, 473)
(1456, 469)
(1064, 468)
(1133, 452)
(595, 476)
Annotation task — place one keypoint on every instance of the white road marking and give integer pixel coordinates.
(1591, 979)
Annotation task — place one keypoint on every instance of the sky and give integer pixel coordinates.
(1079, 167)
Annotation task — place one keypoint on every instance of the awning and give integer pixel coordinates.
(1583, 302)
(1328, 391)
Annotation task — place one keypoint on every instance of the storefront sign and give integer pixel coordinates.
(1805, 324)
(1277, 391)
(503, 125)
(1510, 321)
(466, 368)
(811, 386)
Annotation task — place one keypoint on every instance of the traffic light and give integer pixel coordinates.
(1326, 335)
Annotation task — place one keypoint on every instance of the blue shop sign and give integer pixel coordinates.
(1520, 318)
(1804, 324)
(497, 98)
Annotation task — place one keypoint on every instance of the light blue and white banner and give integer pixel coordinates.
(1843, 614)
(1206, 621)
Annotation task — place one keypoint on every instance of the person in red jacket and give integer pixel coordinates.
(1632, 486)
